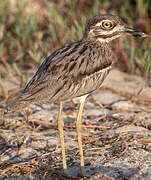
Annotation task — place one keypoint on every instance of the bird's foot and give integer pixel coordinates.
(84, 172)
(78, 172)
(70, 173)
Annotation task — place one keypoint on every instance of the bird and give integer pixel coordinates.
(75, 71)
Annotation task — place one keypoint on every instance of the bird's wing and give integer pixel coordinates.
(50, 72)
(63, 67)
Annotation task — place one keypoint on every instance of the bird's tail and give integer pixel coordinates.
(14, 106)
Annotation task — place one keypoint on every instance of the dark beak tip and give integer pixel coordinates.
(145, 35)
(135, 32)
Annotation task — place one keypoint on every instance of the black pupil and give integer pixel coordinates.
(107, 24)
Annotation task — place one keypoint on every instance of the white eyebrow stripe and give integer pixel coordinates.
(117, 28)
(98, 24)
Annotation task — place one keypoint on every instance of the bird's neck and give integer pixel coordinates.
(102, 52)
(97, 41)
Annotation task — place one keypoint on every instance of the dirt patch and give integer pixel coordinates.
(116, 138)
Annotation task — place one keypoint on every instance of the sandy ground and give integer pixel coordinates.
(116, 138)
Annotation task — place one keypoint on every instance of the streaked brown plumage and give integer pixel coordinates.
(75, 70)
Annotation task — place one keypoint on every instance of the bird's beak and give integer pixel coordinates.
(135, 32)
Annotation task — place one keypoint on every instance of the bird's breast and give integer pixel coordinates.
(87, 84)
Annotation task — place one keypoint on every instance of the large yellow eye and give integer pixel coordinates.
(107, 24)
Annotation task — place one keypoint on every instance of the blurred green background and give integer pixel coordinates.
(32, 29)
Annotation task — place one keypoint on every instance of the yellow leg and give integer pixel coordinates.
(79, 129)
(61, 133)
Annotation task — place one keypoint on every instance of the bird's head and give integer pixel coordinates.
(105, 28)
